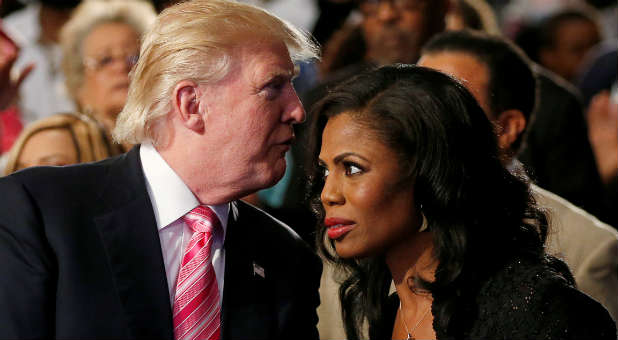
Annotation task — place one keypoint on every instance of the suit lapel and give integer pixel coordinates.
(248, 297)
(128, 229)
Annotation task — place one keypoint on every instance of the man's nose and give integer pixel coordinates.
(387, 11)
(294, 111)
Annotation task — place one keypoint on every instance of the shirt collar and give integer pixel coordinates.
(171, 198)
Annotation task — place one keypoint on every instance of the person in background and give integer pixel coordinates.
(9, 87)
(10, 116)
(100, 45)
(412, 191)
(36, 30)
(61, 139)
(557, 153)
(599, 87)
(565, 38)
(498, 74)
(154, 243)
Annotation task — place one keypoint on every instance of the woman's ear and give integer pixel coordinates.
(187, 105)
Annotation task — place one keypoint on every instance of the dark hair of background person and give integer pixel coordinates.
(9, 6)
(160, 5)
(600, 4)
(332, 16)
(471, 17)
(345, 47)
(512, 83)
(61, 4)
(480, 214)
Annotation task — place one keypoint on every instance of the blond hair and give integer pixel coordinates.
(91, 142)
(87, 16)
(193, 41)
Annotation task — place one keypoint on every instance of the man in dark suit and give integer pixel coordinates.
(107, 250)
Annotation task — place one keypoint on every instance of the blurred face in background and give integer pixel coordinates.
(572, 39)
(53, 146)
(395, 30)
(109, 51)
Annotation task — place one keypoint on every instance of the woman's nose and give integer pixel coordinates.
(331, 193)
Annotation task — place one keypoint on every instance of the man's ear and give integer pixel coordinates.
(511, 123)
(187, 103)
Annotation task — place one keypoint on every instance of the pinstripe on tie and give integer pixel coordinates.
(196, 304)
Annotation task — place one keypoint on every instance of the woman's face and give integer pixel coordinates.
(52, 146)
(109, 52)
(369, 211)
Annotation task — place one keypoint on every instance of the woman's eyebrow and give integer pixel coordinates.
(340, 157)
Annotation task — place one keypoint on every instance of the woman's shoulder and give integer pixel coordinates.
(537, 299)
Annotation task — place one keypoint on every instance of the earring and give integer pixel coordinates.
(424, 225)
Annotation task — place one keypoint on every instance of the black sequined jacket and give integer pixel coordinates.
(524, 300)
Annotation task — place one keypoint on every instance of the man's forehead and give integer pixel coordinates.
(267, 60)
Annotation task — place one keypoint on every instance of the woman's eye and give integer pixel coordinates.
(352, 169)
(325, 172)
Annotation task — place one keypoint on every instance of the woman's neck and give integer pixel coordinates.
(410, 260)
(406, 262)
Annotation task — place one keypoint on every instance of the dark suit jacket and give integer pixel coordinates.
(557, 153)
(81, 258)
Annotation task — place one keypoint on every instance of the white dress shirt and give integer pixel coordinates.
(171, 200)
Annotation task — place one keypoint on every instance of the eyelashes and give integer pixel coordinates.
(351, 169)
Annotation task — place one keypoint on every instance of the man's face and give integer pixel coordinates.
(395, 30)
(573, 40)
(249, 115)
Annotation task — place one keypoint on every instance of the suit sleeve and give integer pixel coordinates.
(26, 279)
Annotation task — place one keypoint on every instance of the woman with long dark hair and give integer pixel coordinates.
(411, 191)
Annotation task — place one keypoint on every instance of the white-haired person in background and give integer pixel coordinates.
(154, 243)
(100, 45)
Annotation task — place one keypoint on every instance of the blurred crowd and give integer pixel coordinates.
(65, 73)
(74, 57)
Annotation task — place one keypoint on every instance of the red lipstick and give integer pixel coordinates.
(338, 227)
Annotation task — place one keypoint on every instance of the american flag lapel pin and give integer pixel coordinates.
(258, 270)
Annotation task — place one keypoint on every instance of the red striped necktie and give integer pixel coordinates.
(196, 305)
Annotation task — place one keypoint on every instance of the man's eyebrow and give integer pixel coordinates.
(281, 73)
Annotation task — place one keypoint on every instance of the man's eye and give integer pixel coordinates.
(273, 89)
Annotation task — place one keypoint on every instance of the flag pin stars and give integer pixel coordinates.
(258, 270)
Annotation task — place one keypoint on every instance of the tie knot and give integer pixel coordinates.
(202, 219)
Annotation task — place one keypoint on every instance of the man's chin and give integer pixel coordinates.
(271, 176)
